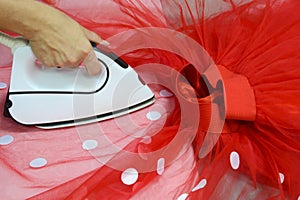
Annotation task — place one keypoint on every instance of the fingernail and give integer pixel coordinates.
(104, 43)
(37, 62)
(81, 64)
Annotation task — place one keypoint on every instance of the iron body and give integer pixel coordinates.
(61, 97)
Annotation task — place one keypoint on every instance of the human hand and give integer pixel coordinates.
(56, 39)
(63, 42)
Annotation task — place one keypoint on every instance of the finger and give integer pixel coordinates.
(92, 36)
(92, 64)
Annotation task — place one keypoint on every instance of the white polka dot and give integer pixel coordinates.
(201, 185)
(3, 85)
(129, 176)
(38, 163)
(6, 139)
(153, 115)
(234, 160)
(146, 140)
(89, 144)
(183, 196)
(281, 176)
(299, 197)
(160, 166)
(165, 93)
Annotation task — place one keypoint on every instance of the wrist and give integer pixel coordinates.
(37, 22)
(26, 17)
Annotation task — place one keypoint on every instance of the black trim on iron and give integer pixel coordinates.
(106, 51)
(90, 118)
(7, 105)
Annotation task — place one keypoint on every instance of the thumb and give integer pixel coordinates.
(92, 64)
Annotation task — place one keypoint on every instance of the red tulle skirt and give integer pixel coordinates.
(232, 131)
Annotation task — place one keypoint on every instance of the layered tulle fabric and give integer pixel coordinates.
(257, 41)
(232, 130)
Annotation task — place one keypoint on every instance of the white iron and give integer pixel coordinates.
(61, 97)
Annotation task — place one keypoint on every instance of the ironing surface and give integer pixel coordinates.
(255, 48)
